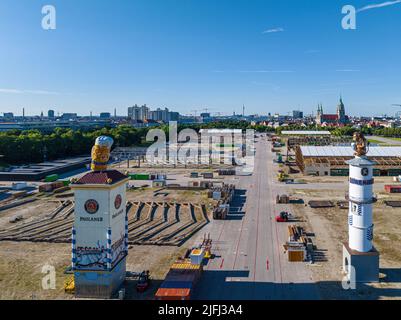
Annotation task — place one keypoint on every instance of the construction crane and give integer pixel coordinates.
(196, 112)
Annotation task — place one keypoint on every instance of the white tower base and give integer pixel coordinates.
(361, 267)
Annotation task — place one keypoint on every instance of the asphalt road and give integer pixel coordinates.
(386, 140)
(250, 263)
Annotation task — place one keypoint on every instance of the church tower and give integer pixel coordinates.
(319, 114)
(341, 112)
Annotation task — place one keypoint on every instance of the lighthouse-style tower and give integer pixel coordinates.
(361, 259)
(100, 232)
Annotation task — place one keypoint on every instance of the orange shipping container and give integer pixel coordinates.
(296, 256)
(173, 294)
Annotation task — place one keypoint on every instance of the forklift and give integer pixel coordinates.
(143, 282)
(284, 217)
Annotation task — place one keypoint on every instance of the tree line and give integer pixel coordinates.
(33, 146)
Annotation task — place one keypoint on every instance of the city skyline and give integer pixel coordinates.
(271, 56)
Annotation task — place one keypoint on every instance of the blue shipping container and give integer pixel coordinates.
(177, 285)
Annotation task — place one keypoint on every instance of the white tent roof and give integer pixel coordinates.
(306, 133)
(332, 151)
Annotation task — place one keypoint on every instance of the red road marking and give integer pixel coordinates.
(278, 253)
(239, 240)
(222, 263)
(257, 230)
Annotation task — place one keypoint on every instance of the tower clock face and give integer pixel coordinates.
(118, 201)
(91, 206)
(365, 172)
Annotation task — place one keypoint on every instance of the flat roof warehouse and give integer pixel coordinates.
(340, 151)
(38, 171)
(332, 160)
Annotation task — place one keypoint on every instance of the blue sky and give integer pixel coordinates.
(196, 54)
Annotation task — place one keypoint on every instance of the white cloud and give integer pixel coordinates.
(347, 70)
(19, 91)
(266, 71)
(14, 91)
(311, 51)
(379, 5)
(275, 30)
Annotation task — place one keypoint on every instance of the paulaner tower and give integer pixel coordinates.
(361, 259)
(100, 232)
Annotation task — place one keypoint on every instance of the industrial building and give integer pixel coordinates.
(332, 160)
(39, 171)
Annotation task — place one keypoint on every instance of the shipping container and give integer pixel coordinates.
(51, 178)
(227, 172)
(296, 256)
(177, 285)
(173, 294)
(186, 275)
(339, 172)
(208, 175)
(45, 188)
(394, 172)
(56, 185)
(393, 188)
(66, 183)
(187, 266)
(158, 183)
(141, 177)
(19, 185)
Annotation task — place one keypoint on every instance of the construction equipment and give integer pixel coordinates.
(282, 177)
(284, 217)
(285, 199)
(207, 246)
(69, 285)
(143, 282)
(299, 247)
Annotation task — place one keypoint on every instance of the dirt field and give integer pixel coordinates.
(21, 268)
(21, 262)
(331, 229)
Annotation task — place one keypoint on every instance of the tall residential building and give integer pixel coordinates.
(144, 113)
(50, 114)
(160, 115)
(8, 116)
(69, 116)
(138, 113)
(296, 114)
(105, 115)
(174, 116)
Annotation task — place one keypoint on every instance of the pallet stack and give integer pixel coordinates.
(296, 245)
